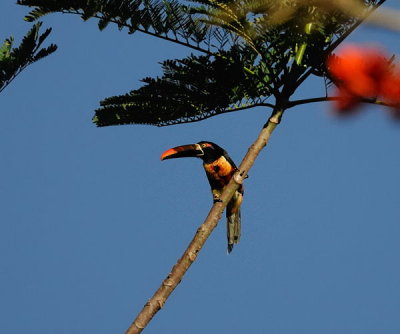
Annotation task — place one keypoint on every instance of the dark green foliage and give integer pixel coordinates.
(191, 89)
(253, 50)
(14, 60)
(168, 19)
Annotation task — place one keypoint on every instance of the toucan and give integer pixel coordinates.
(219, 169)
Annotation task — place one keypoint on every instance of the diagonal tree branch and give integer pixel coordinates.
(203, 232)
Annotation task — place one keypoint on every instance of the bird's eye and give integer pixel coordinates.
(204, 145)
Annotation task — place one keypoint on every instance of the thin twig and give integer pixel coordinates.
(189, 256)
(292, 104)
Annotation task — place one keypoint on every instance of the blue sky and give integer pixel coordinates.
(91, 221)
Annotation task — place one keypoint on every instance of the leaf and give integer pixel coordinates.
(251, 50)
(6, 48)
(163, 18)
(14, 60)
(191, 89)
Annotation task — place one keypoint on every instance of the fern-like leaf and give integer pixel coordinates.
(253, 49)
(14, 60)
(167, 19)
(191, 89)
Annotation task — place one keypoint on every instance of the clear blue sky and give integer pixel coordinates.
(91, 221)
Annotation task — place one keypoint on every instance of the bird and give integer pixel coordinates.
(219, 168)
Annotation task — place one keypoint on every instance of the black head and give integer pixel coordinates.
(211, 151)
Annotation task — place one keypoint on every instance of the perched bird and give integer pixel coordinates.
(219, 168)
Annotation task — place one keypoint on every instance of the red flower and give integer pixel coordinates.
(362, 72)
(347, 101)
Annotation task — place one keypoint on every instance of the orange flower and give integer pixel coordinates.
(363, 72)
(347, 101)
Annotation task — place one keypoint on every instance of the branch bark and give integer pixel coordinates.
(203, 232)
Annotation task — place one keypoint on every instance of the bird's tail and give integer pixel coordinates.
(233, 228)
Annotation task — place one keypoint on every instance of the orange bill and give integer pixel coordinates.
(183, 151)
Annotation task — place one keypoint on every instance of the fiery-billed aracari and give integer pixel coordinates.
(219, 168)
